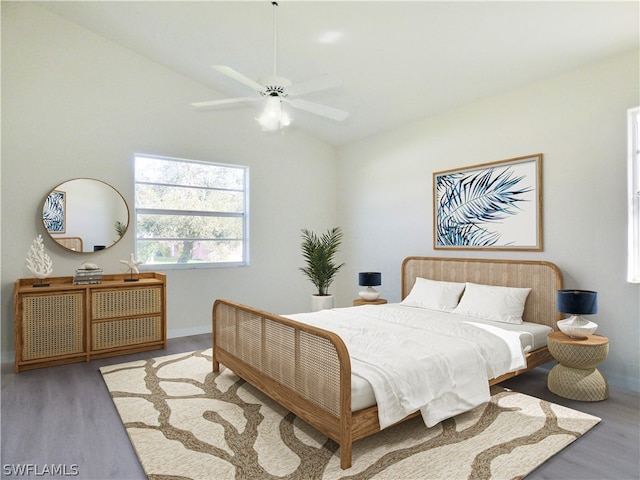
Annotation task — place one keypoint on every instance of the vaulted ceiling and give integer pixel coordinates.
(398, 61)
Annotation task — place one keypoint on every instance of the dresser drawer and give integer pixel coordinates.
(125, 302)
(126, 332)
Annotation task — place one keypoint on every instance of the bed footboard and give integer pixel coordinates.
(305, 369)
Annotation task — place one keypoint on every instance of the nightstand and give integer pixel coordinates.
(358, 301)
(576, 376)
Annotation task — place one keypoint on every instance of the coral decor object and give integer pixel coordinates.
(38, 262)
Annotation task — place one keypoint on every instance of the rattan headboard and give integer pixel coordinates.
(544, 279)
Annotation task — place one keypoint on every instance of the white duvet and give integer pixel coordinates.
(418, 359)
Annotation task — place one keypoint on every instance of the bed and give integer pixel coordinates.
(308, 370)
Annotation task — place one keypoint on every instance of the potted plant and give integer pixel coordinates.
(319, 253)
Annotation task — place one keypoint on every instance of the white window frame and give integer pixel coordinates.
(633, 176)
(244, 215)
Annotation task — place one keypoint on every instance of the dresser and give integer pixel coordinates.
(65, 323)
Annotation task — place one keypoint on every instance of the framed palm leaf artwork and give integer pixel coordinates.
(492, 206)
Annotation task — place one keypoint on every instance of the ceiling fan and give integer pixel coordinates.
(278, 90)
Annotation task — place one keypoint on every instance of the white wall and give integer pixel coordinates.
(76, 105)
(578, 122)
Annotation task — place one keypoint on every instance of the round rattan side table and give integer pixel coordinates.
(576, 376)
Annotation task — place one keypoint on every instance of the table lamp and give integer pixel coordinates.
(369, 280)
(577, 303)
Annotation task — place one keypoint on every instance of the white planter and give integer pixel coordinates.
(321, 302)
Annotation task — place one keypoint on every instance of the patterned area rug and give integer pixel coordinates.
(187, 422)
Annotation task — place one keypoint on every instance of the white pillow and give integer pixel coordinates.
(488, 302)
(434, 295)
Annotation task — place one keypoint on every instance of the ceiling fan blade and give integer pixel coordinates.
(227, 101)
(238, 77)
(323, 82)
(323, 110)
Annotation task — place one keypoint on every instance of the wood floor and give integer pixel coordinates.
(63, 416)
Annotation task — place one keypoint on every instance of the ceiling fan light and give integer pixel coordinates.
(274, 117)
(285, 121)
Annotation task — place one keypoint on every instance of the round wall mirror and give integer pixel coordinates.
(85, 215)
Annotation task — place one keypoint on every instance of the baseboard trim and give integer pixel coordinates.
(187, 332)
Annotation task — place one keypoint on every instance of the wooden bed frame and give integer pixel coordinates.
(307, 370)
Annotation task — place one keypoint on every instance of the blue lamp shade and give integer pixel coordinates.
(369, 279)
(577, 302)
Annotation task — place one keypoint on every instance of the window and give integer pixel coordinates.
(633, 271)
(190, 214)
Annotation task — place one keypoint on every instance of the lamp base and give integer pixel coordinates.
(369, 294)
(577, 326)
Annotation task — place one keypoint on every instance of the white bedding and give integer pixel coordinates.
(418, 359)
